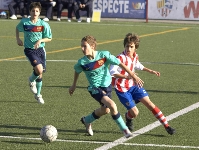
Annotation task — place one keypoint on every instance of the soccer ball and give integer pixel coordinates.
(48, 133)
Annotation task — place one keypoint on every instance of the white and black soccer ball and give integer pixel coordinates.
(48, 133)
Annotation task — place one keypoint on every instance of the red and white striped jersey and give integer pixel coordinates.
(133, 64)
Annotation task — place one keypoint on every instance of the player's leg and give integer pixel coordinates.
(87, 120)
(37, 63)
(126, 99)
(130, 115)
(116, 115)
(39, 69)
(157, 113)
(30, 54)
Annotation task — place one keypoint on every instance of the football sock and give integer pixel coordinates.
(120, 122)
(39, 85)
(90, 118)
(33, 77)
(160, 116)
(129, 116)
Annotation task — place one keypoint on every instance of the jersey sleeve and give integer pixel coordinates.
(138, 66)
(78, 68)
(20, 26)
(114, 69)
(111, 58)
(47, 31)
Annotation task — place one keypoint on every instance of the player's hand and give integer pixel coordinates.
(37, 44)
(71, 90)
(138, 81)
(19, 42)
(155, 72)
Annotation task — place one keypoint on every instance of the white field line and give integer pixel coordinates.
(97, 142)
(192, 24)
(121, 141)
(169, 63)
(149, 127)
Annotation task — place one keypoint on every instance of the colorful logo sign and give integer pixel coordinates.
(165, 7)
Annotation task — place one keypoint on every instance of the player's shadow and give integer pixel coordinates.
(179, 92)
(61, 131)
(52, 86)
(20, 142)
(154, 135)
(31, 130)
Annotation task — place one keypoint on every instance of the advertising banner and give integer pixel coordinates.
(132, 9)
(174, 9)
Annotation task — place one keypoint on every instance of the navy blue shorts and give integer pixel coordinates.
(130, 98)
(36, 56)
(102, 91)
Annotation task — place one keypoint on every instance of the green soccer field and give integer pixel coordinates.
(171, 49)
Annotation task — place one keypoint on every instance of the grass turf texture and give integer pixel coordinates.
(170, 48)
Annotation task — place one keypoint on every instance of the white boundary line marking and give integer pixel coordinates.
(169, 63)
(172, 63)
(97, 142)
(149, 127)
(140, 23)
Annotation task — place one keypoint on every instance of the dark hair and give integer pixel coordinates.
(132, 38)
(35, 5)
(90, 40)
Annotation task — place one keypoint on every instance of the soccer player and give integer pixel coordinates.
(127, 91)
(36, 33)
(95, 65)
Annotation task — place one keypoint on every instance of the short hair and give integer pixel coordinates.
(132, 38)
(90, 40)
(35, 5)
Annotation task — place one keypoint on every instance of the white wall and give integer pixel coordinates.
(173, 9)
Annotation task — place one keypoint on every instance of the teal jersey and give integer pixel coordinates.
(97, 69)
(34, 31)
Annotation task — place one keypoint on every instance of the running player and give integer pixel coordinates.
(126, 89)
(36, 33)
(95, 65)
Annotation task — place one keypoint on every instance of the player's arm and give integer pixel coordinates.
(37, 44)
(137, 80)
(151, 71)
(73, 87)
(19, 41)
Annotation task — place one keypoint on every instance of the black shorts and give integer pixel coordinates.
(36, 56)
(102, 91)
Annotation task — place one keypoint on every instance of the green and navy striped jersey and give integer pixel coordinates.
(97, 69)
(34, 32)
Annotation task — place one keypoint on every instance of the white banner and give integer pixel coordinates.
(173, 9)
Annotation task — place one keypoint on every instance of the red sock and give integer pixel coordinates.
(129, 115)
(159, 115)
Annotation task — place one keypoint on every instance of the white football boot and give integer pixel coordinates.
(127, 133)
(39, 98)
(33, 87)
(88, 126)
